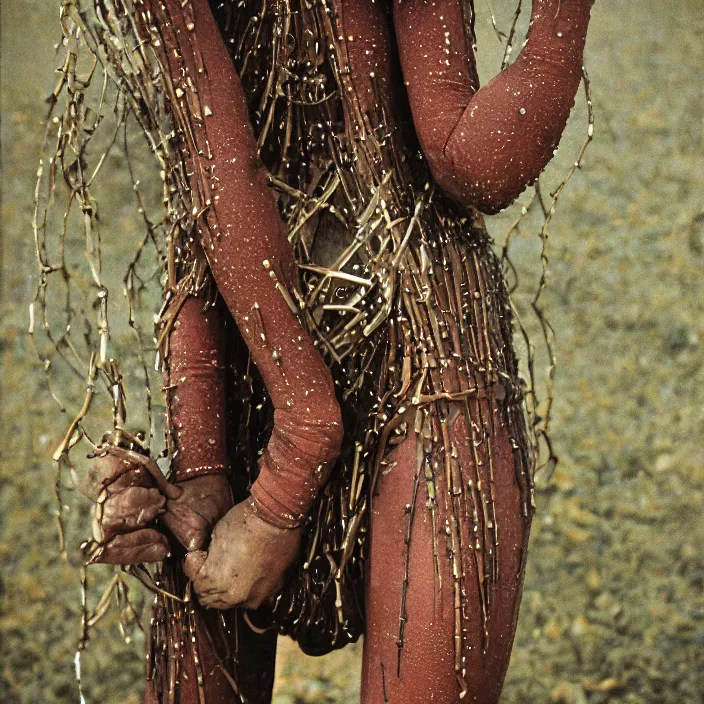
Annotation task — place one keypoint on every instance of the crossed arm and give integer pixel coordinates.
(252, 263)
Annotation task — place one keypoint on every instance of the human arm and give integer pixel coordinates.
(485, 145)
(129, 499)
(252, 263)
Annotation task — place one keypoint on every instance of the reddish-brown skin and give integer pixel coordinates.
(216, 687)
(255, 665)
(483, 150)
(484, 146)
(427, 671)
(195, 388)
(427, 660)
(249, 253)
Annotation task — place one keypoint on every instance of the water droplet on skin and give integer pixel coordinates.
(522, 111)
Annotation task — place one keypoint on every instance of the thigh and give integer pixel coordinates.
(432, 635)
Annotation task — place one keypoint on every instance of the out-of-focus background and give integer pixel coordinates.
(613, 609)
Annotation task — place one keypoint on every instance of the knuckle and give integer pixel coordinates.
(254, 602)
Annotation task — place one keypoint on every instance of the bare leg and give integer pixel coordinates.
(227, 663)
(254, 675)
(425, 671)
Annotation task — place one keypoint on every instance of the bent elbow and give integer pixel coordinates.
(489, 163)
(488, 190)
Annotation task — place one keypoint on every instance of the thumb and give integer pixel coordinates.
(193, 563)
(188, 527)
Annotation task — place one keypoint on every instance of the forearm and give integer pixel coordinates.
(485, 146)
(195, 392)
(367, 44)
(253, 265)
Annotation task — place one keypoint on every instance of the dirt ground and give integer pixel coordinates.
(613, 609)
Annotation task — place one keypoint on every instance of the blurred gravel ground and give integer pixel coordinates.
(613, 609)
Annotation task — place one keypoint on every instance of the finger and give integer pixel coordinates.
(262, 598)
(193, 563)
(136, 476)
(188, 527)
(210, 598)
(208, 581)
(132, 548)
(220, 600)
(171, 491)
(130, 510)
(104, 470)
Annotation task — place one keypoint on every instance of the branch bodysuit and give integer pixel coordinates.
(395, 326)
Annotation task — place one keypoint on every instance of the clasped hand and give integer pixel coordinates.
(246, 560)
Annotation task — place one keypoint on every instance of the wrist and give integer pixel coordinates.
(182, 474)
(294, 467)
(262, 505)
